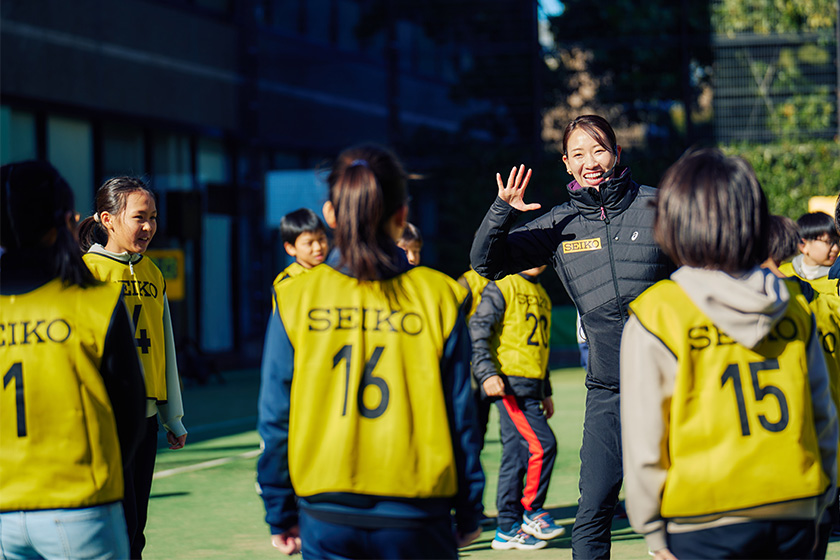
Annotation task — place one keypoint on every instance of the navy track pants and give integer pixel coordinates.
(528, 452)
(601, 474)
(791, 538)
(138, 487)
(431, 538)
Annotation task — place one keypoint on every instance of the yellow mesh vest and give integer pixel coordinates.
(826, 310)
(823, 285)
(476, 282)
(740, 423)
(521, 342)
(294, 269)
(367, 413)
(58, 438)
(143, 288)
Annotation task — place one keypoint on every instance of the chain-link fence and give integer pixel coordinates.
(775, 75)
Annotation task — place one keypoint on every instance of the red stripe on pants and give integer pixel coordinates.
(535, 459)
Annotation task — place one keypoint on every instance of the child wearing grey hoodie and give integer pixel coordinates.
(728, 428)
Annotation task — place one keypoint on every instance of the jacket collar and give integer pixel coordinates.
(132, 258)
(612, 198)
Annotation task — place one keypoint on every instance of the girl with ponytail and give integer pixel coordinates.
(365, 407)
(114, 239)
(110, 199)
(367, 207)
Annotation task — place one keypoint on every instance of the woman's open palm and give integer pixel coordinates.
(514, 191)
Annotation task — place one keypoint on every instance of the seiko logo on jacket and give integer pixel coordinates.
(582, 245)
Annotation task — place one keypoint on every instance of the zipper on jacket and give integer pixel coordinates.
(612, 260)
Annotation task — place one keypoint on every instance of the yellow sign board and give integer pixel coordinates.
(822, 204)
(171, 264)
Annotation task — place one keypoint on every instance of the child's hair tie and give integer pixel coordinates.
(96, 217)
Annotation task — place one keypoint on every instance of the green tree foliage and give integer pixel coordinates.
(648, 62)
(773, 16)
(810, 109)
(788, 48)
(791, 173)
(641, 47)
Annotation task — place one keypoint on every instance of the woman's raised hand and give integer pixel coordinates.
(514, 191)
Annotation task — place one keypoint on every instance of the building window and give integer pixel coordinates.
(213, 162)
(406, 39)
(217, 295)
(427, 53)
(122, 151)
(17, 136)
(70, 150)
(318, 17)
(217, 6)
(284, 15)
(285, 160)
(171, 154)
(347, 20)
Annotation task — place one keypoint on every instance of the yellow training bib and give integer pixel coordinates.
(521, 342)
(58, 437)
(826, 310)
(368, 414)
(824, 285)
(294, 269)
(143, 289)
(740, 424)
(476, 282)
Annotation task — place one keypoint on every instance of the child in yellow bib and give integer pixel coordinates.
(114, 240)
(476, 283)
(304, 239)
(71, 402)
(784, 240)
(728, 427)
(834, 271)
(818, 249)
(510, 333)
(365, 407)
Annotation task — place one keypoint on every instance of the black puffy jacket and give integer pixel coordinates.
(601, 246)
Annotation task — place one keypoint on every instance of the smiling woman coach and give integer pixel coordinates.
(601, 246)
